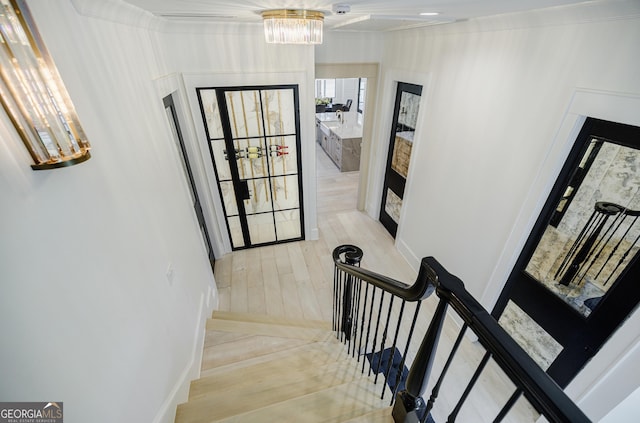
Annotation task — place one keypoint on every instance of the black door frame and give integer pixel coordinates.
(170, 104)
(240, 187)
(581, 337)
(392, 179)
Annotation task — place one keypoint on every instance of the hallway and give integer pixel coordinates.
(295, 279)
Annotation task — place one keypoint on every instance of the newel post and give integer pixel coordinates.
(353, 256)
(409, 406)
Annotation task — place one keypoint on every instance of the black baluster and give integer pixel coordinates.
(355, 316)
(622, 259)
(375, 334)
(602, 243)
(576, 244)
(409, 403)
(406, 351)
(467, 391)
(364, 310)
(393, 348)
(384, 340)
(505, 410)
(373, 298)
(335, 302)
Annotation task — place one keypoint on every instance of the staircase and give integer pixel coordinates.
(270, 369)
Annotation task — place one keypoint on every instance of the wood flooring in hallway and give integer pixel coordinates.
(295, 281)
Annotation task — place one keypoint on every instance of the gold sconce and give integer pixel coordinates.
(287, 26)
(33, 95)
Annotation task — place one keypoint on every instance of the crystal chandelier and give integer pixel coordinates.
(286, 26)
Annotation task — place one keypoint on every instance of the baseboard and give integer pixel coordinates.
(408, 254)
(180, 391)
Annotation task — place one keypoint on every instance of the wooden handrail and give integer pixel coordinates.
(536, 385)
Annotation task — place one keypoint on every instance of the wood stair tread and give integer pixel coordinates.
(273, 386)
(279, 320)
(335, 404)
(277, 369)
(295, 361)
(267, 329)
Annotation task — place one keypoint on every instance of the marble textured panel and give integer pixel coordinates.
(245, 113)
(393, 205)
(613, 177)
(211, 113)
(409, 106)
(402, 153)
(536, 342)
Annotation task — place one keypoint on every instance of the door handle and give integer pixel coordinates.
(243, 190)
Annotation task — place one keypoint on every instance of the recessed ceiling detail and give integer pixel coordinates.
(348, 15)
(390, 22)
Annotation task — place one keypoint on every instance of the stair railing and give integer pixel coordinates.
(355, 303)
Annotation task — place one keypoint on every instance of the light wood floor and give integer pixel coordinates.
(295, 280)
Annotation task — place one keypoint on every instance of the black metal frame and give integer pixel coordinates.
(169, 104)
(581, 337)
(240, 189)
(392, 179)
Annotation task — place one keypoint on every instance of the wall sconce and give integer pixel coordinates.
(287, 26)
(33, 95)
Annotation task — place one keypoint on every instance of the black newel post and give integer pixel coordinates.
(352, 256)
(409, 406)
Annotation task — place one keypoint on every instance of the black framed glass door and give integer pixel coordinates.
(576, 279)
(405, 118)
(254, 141)
(174, 123)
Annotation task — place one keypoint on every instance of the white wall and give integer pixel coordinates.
(496, 94)
(350, 47)
(88, 315)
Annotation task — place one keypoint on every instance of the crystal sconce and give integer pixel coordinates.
(33, 95)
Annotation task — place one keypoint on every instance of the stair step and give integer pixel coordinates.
(267, 329)
(246, 348)
(293, 361)
(382, 415)
(331, 347)
(336, 404)
(266, 387)
(278, 320)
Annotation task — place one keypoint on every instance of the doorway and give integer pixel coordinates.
(405, 117)
(174, 123)
(575, 280)
(253, 135)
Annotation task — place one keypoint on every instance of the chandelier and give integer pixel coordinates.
(287, 26)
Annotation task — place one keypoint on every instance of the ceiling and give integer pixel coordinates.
(364, 15)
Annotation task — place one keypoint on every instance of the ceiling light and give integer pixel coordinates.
(429, 14)
(287, 26)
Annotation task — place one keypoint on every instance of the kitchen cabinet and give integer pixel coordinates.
(341, 142)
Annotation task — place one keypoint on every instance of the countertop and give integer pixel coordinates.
(344, 131)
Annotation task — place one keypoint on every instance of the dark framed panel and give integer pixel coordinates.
(576, 276)
(253, 135)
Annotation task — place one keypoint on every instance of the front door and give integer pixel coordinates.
(405, 117)
(576, 279)
(254, 140)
